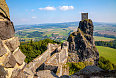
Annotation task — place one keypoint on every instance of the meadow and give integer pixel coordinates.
(108, 53)
(98, 38)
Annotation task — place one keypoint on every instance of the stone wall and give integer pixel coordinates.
(59, 59)
(32, 66)
(49, 60)
(11, 58)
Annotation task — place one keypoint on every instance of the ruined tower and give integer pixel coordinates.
(84, 16)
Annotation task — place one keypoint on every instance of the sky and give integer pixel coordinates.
(58, 11)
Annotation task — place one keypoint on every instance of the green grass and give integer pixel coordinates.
(108, 53)
(63, 41)
(99, 28)
(98, 38)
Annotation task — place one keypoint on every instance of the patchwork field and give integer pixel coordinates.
(98, 38)
(108, 53)
(108, 32)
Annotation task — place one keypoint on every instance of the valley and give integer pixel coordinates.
(61, 31)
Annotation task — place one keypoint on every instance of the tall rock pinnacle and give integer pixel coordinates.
(81, 43)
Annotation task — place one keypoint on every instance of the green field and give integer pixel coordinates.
(108, 53)
(98, 38)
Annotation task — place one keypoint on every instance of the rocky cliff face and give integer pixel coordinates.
(92, 72)
(11, 58)
(81, 44)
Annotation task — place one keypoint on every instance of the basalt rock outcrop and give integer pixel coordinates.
(81, 44)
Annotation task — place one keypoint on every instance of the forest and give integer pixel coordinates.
(33, 49)
(111, 44)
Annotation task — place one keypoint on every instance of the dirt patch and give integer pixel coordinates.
(104, 40)
(107, 32)
(49, 29)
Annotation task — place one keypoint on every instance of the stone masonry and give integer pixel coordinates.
(11, 58)
(52, 59)
(12, 63)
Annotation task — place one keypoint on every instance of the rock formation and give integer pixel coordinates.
(50, 64)
(12, 63)
(11, 58)
(4, 10)
(92, 72)
(81, 44)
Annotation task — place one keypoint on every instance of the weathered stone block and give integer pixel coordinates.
(46, 74)
(19, 56)
(65, 70)
(6, 58)
(20, 66)
(13, 44)
(28, 71)
(6, 30)
(9, 72)
(2, 49)
(2, 72)
(11, 62)
(18, 74)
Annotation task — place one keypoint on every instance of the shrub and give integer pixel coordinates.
(105, 64)
(75, 67)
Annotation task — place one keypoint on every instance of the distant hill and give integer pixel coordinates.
(59, 25)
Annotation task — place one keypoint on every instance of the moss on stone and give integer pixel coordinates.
(4, 8)
(71, 35)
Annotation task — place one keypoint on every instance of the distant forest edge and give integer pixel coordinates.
(63, 25)
(60, 31)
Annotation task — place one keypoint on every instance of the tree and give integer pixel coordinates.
(105, 64)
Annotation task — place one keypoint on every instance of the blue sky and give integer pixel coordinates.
(56, 11)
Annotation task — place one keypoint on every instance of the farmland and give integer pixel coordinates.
(108, 53)
(61, 31)
(98, 38)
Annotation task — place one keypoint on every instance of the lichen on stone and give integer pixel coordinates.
(4, 9)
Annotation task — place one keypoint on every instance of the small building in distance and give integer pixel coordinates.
(84, 16)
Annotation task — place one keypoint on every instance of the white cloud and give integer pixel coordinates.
(33, 17)
(47, 8)
(29, 13)
(64, 8)
(32, 10)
